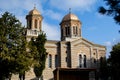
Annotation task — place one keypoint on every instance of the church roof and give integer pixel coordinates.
(70, 16)
(34, 12)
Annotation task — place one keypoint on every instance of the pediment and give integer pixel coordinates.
(82, 41)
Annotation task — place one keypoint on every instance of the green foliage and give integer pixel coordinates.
(37, 48)
(113, 9)
(13, 54)
(104, 69)
(114, 62)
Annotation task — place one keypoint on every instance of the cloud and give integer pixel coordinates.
(74, 4)
(93, 28)
(53, 15)
(19, 4)
(52, 31)
(99, 15)
(19, 8)
(110, 44)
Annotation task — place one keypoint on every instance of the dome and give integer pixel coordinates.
(34, 11)
(70, 16)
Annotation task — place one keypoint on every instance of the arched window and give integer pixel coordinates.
(50, 61)
(66, 31)
(80, 60)
(95, 61)
(40, 25)
(30, 23)
(76, 30)
(56, 60)
(61, 32)
(35, 23)
(73, 30)
(80, 32)
(85, 61)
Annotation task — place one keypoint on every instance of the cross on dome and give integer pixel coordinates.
(34, 6)
(69, 10)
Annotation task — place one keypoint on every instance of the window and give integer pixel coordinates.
(85, 61)
(61, 32)
(66, 59)
(35, 23)
(73, 30)
(76, 30)
(50, 61)
(56, 60)
(80, 60)
(30, 23)
(79, 32)
(40, 25)
(95, 61)
(66, 31)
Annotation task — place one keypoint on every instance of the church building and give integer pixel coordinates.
(72, 51)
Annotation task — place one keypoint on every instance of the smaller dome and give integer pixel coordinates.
(70, 16)
(34, 11)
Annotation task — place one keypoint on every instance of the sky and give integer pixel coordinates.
(97, 28)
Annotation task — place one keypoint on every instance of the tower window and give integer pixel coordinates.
(35, 23)
(30, 23)
(50, 61)
(40, 25)
(73, 30)
(67, 31)
(61, 32)
(80, 32)
(76, 30)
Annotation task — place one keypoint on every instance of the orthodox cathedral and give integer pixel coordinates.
(72, 51)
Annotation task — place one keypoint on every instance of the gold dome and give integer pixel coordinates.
(70, 16)
(34, 12)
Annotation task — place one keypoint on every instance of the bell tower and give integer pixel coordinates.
(70, 27)
(34, 23)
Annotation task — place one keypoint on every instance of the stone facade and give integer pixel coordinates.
(73, 51)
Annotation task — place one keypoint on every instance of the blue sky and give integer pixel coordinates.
(95, 27)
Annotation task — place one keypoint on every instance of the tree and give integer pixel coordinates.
(39, 54)
(13, 53)
(104, 69)
(37, 48)
(114, 62)
(112, 10)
